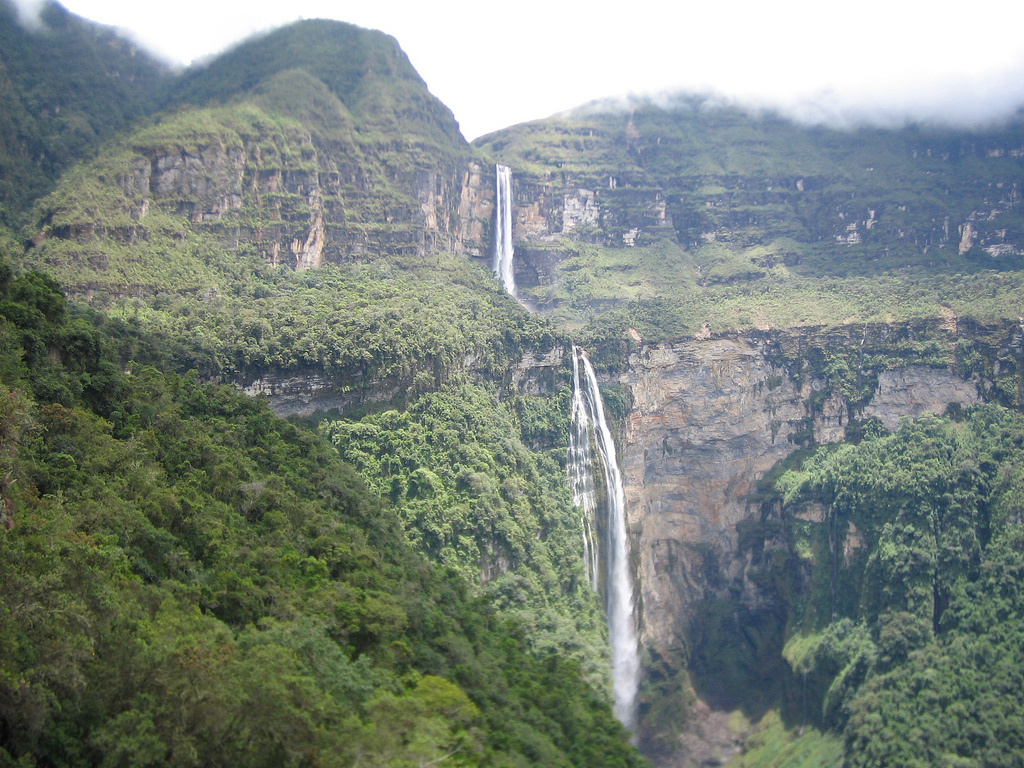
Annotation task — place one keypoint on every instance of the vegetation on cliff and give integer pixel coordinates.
(898, 559)
(232, 592)
(472, 495)
(691, 213)
(188, 579)
(363, 68)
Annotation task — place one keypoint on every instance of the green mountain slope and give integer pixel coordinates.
(188, 580)
(291, 226)
(910, 608)
(694, 213)
(276, 165)
(365, 69)
(66, 84)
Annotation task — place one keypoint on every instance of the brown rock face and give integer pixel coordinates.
(705, 427)
(709, 419)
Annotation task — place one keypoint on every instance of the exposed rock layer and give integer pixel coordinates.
(709, 419)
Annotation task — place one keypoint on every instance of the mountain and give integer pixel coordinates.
(66, 85)
(810, 353)
(365, 69)
(691, 211)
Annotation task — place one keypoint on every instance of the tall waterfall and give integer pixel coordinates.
(503, 251)
(581, 473)
(590, 428)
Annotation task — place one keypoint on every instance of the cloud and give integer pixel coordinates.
(964, 101)
(29, 12)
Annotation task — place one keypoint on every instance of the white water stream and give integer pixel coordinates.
(503, 250)
(589, 430)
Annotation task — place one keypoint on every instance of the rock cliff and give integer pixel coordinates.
(331, 149)
(709, 419)
(632, 207)
(704, 172)
(312, 393)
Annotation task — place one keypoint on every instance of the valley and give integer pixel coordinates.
(287, 398)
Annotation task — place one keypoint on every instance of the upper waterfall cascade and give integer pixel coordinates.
(589, 428)
(503, 250)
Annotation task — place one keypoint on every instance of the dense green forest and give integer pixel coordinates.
(189, 580)
(897, 562)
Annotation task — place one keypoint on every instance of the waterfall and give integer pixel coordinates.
(581, 474)
(589, 428)
(503, 251)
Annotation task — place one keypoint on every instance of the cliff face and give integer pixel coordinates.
(312, 393)
(702, 173)
(664, 211)
(302, 200)
(331, 150)
(709, 420)
(285, 192)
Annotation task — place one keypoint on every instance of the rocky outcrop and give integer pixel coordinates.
(203, 184)
(476, 211)
(313, 392)
(285, 194)
(604, 209)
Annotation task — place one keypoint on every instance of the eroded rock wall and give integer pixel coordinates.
(709, 419)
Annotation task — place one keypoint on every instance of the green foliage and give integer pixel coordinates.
(416, 327)
(66, 84)
(476, 499)
(909, 636)
(956, 701)
(773, 745)
(666, 699)
(186, 579)
(365, 69)
(841, 657)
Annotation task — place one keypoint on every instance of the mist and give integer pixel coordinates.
(882, 63)
(960, 102)
(29, 12)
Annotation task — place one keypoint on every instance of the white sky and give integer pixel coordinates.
(499, 63)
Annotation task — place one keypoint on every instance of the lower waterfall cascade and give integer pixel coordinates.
(589, 428)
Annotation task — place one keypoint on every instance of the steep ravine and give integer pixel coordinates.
(709, 419)
(706, 421)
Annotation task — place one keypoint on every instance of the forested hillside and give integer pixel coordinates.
(907, 637)
(66, 85)
(189, 580)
